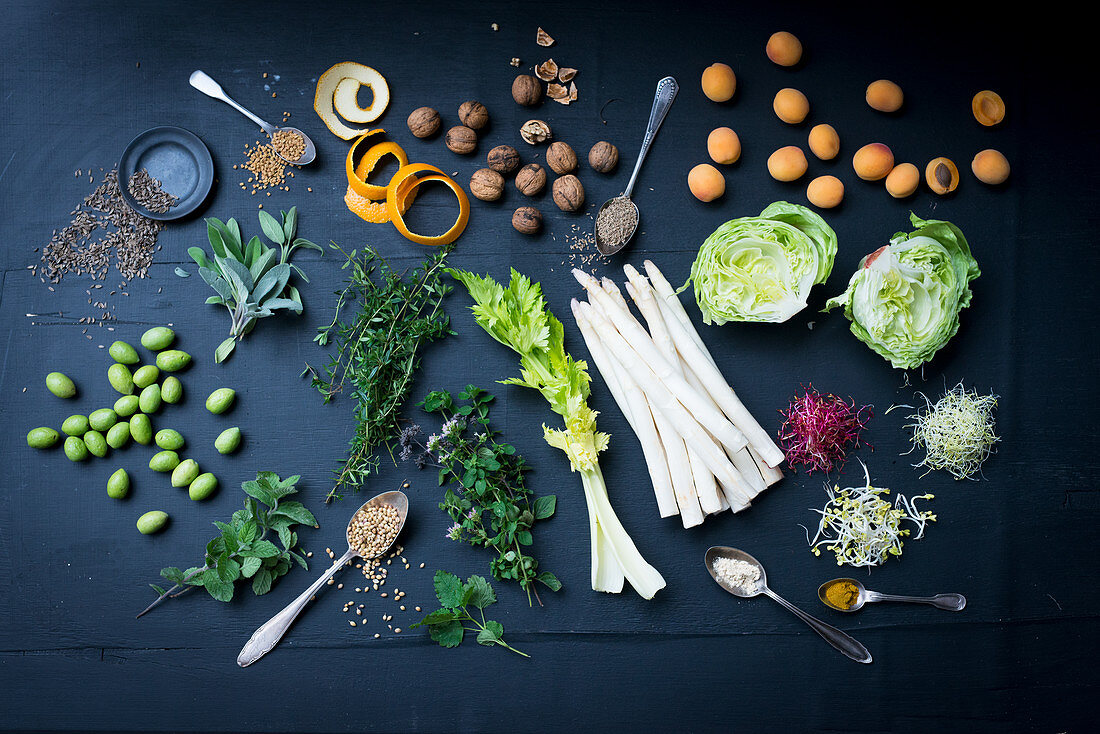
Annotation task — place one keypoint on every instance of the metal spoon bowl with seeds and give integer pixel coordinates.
(372, 531)
(283, 139)
(617, 220)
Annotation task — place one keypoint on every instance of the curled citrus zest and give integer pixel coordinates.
(335, 97)
(358, 173)
(399, 194)
(375, 212)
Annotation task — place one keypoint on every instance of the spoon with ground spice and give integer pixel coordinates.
(742, 575)
(617, 219)
(372, 531)
(849, 595)
(289, 143)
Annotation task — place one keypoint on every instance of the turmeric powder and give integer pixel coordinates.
(842, 594)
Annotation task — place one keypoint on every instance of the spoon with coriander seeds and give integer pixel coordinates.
(372, 531)
(617, 220)
(289, 143)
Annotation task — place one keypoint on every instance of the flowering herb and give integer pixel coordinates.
(956, 432)
(378, 350)
(861, 528)
(448, 625)
(819, 430)
(489, 503)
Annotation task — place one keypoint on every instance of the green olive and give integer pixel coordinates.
(164, 461)
(228, 440)
(123, 353)
(149, 400)
(141, 429)
(75, 449)
(96, 443)
(75, 425)
(118, 485)
(118, 435)
(173, 360)
(171, 390)
(60, 385)
(185, 473)
(152, 522)
(145, 376)
(203, 486)
(126, 406)
(120, 378)
(157, 338)
(102, 419)
(42, 438)
(169, 439)
(220, 400)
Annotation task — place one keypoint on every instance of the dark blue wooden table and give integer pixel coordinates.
(79, 80)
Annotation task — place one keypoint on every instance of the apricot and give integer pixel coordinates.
(873, 161)
(941, 175)
(791, 106)
(706, 182)
(784, 48)
(991, 167)
(824, 142)
(723, 145)
(885, 96)
(719, 82)
(825, 192)
(988, 107)
(787, 163)
(903, 180)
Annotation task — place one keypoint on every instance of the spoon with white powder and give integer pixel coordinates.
(742, 575)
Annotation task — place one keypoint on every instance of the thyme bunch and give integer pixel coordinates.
(377, 350)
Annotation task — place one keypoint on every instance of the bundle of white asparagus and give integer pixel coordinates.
(705, 452)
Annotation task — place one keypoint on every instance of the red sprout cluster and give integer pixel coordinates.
(819, 429)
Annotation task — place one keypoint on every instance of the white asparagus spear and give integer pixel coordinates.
(698, 359)
(679, 462)
(634, 406)
(706, 488)
(632, 333)
(664, 402)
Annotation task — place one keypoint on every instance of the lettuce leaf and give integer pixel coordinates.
(905, 299)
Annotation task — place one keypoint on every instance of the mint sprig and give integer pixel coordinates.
(449, 624)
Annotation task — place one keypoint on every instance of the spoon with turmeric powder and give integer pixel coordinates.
(849, 595)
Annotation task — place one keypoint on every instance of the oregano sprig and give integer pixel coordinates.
(449, 624)
(242, 550)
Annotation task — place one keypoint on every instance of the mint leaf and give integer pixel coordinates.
(482, 594)
(447, 634)
(550, 580)
(249, 567)
(261, 549)
(448, 589)
(296, 511)
(218, 588)
(261, 584)
(492, 633)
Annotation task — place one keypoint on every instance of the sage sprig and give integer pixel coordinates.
(242, 549)
(251, 279)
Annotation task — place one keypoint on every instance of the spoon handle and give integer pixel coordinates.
(202, 82)
(840, 640)
(265, 638)
(662, 101)
(948, 602)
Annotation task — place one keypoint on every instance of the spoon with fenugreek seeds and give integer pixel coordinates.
(289, 143)
(371, 533)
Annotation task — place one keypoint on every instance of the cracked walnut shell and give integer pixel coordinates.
(531, 179)
(547, 70)
(568, 193)
(535, 132)
(561, 158)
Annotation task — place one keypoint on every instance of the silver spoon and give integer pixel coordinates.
(840, 640)
(265, 638)
(200, 81)
(948, 602)
(662, 101)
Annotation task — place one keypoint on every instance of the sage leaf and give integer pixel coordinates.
(224, 350)
(290, 225)
(272, 229)
(182, 273)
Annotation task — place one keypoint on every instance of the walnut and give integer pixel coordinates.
(461, 139)
(531, 179)
(543, 38)
(568, 193)
(561, 158)
(487, 185)
(527, 219)
(565, 73)
(503, 159)
(557, 92)
(473, 115)
(424, 122)
(535, 132)
(547, 70)
(603, 157)
(527, 90)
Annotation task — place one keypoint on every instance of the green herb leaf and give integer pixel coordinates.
(481, 593)
(491, 634)
(261, 582)
(448, 589)
(217, 587)
(545, 506)
(249, 566)
(224, 350)
(550, 580)
(296, 512)
(447, 634)
(272, 229)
